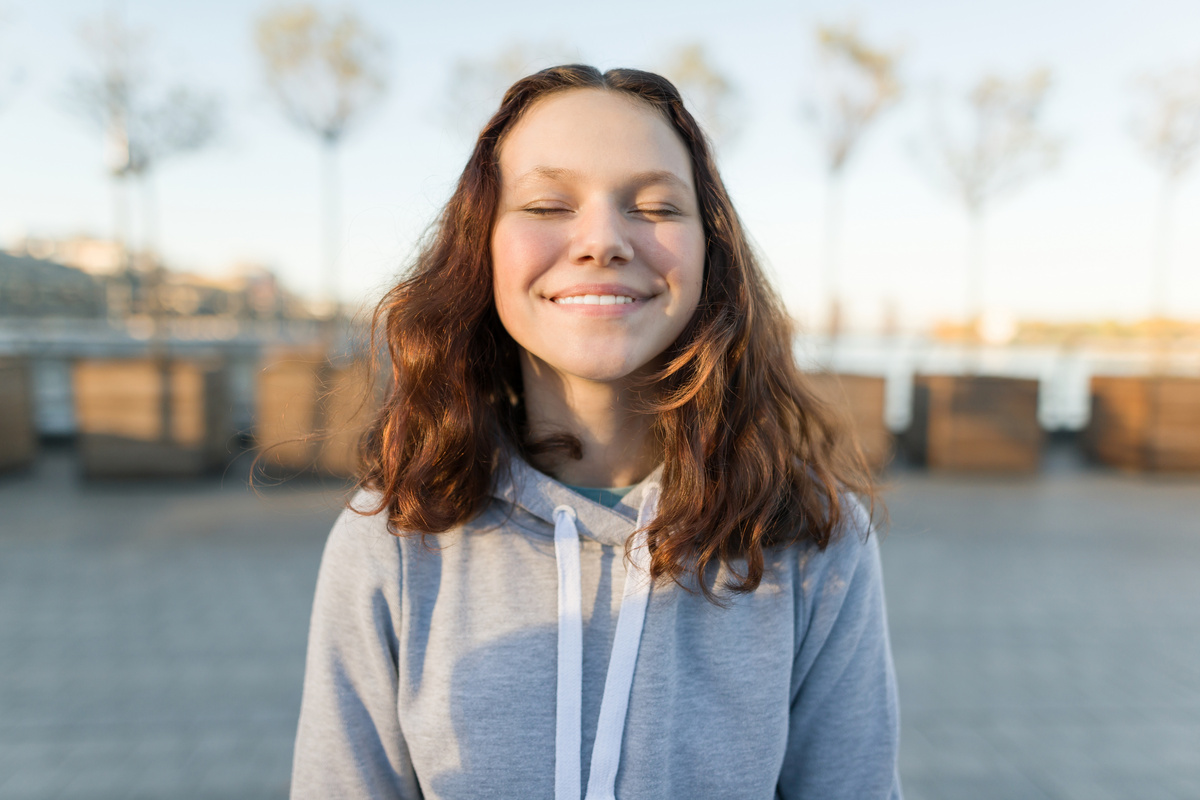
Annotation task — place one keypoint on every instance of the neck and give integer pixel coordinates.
(618, 449)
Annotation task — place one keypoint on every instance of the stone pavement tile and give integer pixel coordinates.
(163, 780)
(97, 748)
(1185, 783)
(920, 787)
(17, 752)
(1007, 668)
(1103, 785)
(257, 760)
(243, 778)
(33, 782)
(65, 758)
(986, 787)
(957, 755)
(918, 758)
(216, 747)
(99, 780)
(169, 765)
(168, 749)
(59, 762)
(1175, 746)
(275, 754)
(1114, 746)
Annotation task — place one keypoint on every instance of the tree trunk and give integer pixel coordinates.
(330, 224)
(829, 277)
(976, 278)
(975, 293)
(1162, 250)
(1161, 276)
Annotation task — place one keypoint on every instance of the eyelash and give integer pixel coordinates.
(653, 212)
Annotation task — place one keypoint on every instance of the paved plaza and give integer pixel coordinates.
(1046, 632)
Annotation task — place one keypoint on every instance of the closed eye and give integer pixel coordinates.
(545, 211)
(658, 211)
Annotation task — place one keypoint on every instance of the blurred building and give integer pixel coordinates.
(87, 278)
(64, 301)
(35, 287)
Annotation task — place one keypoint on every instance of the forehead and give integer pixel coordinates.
(593, 132)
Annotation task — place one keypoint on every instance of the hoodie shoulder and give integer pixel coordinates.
(360, 542)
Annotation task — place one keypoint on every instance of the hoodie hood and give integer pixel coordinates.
(538, 494)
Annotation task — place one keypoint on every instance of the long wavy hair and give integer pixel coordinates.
(752, 457)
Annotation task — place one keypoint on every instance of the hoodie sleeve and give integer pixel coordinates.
(844, 726)
(349, 743)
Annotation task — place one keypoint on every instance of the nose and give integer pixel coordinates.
(601, 237)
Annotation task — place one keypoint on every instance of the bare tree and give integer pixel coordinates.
(142, 126)
(710, 95)
(325, 70)
(7, 81)
(999, 149)
(477, 85)
(103, 97)
(855, 83)
(11, 80)
(1168, 129)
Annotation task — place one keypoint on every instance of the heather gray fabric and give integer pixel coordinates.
(431, 669)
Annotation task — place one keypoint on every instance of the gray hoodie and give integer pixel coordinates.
(519, 657)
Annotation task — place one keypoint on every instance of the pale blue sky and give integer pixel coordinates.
(1074, 244)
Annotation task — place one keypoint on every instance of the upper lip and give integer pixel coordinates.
(599, 289)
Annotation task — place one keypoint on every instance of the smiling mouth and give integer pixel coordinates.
(595, 300)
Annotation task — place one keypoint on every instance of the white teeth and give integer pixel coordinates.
(594, 300)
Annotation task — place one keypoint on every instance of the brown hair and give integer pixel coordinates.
(752, 457)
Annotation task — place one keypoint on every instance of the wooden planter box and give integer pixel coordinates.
(149, 417)
(18, 436)
(1145, 423)
(975, 422)
(861, 400)
(311, 415)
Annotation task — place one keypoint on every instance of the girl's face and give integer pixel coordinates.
(598, 246)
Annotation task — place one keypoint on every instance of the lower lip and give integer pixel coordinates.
(589, 310)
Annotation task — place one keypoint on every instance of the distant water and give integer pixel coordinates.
(1064, 372)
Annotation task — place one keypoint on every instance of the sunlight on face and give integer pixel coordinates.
(598, 245)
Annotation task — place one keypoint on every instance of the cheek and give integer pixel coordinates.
(679, 257)
(519, 257)
(522, 252)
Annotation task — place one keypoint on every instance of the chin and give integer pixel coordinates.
(599, 370)
(593, 362)
(591, 373)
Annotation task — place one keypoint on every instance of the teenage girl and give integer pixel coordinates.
(608, 542)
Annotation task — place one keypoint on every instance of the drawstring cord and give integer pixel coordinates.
(610, 729)
(568, 718)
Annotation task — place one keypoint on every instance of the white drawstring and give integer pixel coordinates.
(569, 717)
(606, 751)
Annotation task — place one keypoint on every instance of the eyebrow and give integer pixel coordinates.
(638, 181)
